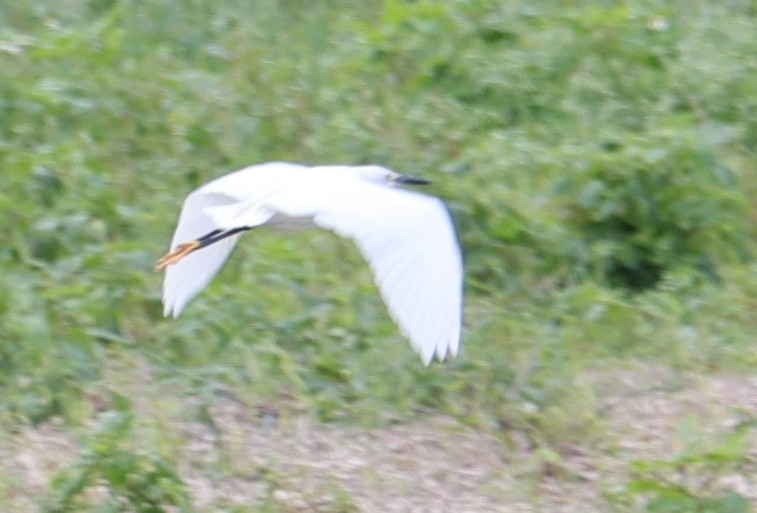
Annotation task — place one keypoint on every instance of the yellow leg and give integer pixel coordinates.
(177, 254)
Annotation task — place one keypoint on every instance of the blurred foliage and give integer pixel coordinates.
(598, 159)
(128, 481)
(658, 205)
(688, 482)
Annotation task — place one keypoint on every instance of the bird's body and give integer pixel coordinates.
(407, 238)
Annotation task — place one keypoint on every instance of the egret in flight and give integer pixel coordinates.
(407, 238)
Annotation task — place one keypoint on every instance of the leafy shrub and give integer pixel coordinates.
(126, 481)
(695, 487)
(651, 205)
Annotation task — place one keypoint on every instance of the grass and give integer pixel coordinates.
(598, 159)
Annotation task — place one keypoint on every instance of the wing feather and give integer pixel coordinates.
(191, 274)
(409, 242)
(220, 204)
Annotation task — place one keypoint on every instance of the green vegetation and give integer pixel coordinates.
(134, 482)
(598, 157)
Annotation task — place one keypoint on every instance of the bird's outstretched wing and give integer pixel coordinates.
(214, 206)
(409, 242)
(188, 276)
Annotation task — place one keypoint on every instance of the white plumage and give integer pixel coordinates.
(407, 238)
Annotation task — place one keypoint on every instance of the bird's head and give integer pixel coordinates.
(384, 176)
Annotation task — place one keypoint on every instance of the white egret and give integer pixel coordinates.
(407, 238)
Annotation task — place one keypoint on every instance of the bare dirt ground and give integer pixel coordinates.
(435, 464)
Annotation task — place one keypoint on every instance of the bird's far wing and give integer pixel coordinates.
(219, 204)
(409, 241)
(185, 278)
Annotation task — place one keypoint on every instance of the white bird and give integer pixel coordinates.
(407, 238)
